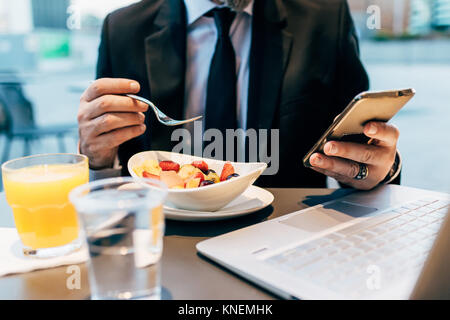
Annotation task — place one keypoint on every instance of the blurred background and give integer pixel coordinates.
(48, 53)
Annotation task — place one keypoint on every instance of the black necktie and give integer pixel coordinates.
(220, 111)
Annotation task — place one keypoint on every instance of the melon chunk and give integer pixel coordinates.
(172, 179)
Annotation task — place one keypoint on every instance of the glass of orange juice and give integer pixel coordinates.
(37, 189)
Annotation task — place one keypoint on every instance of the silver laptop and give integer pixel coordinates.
(367, 245)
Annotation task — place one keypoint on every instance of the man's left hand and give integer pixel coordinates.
(341, 159)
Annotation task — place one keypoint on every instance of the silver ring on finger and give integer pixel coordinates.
(363, 172)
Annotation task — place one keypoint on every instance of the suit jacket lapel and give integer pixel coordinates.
(271, 46)
(166, 57)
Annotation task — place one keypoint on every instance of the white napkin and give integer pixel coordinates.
(12, 259)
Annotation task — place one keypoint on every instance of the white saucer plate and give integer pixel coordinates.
(252, 200)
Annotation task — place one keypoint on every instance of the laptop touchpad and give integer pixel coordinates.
(350, 208)
(328, 216)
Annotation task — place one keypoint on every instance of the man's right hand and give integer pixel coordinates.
(106, 119)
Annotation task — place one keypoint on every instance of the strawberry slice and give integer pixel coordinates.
(200, 165)
(169, 166)
(226, 171)
(145, 174)
(200, 176)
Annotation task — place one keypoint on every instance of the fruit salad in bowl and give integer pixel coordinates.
(186, 176)
(196, 183)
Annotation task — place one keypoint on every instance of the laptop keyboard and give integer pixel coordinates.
(390, 246)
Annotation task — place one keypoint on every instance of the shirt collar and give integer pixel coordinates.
(197, 8)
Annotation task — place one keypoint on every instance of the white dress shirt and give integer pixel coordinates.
(201, 44)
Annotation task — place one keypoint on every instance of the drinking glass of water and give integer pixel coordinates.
(123, 224)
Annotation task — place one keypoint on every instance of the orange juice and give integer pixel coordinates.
(157, 219)
(38, 195)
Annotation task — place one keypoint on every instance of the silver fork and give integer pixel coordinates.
(165, 120)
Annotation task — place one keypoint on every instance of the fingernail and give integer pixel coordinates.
(331, 148)
(134, 86)
(142, 127)
(372, 129)
(317, 160)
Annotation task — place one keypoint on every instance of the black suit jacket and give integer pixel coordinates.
(304, 69)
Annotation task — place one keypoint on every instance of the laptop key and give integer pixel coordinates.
(427, 219)
(416, 213)
(426, 209)
(313, 268)
(385, 251)
(405, 241)
(407, 228)
(365, 246)
(418, 223)
(417, 204)
(378, 242)
(367, 234)
(341, 258)
(436, 214)
(396, 245)
(428, 200)
(409, 217)
(439, 204)
(335, 237)
(299, 263)
(401, 210)
(412, 206)
(442, 212)
(321, 242)
(353, 252)
(355, 239)
(305, 248)
(390, 236)
(397, 222)
(343, 244)
(378, 230)
(329, 251)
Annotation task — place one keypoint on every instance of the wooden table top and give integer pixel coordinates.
(185, 274)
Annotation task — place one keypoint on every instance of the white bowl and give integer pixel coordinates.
(207, 198)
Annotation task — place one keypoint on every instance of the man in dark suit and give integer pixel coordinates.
(297, 65)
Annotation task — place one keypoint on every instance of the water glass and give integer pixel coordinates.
(123, 225)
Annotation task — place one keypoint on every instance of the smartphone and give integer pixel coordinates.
(365, 107)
